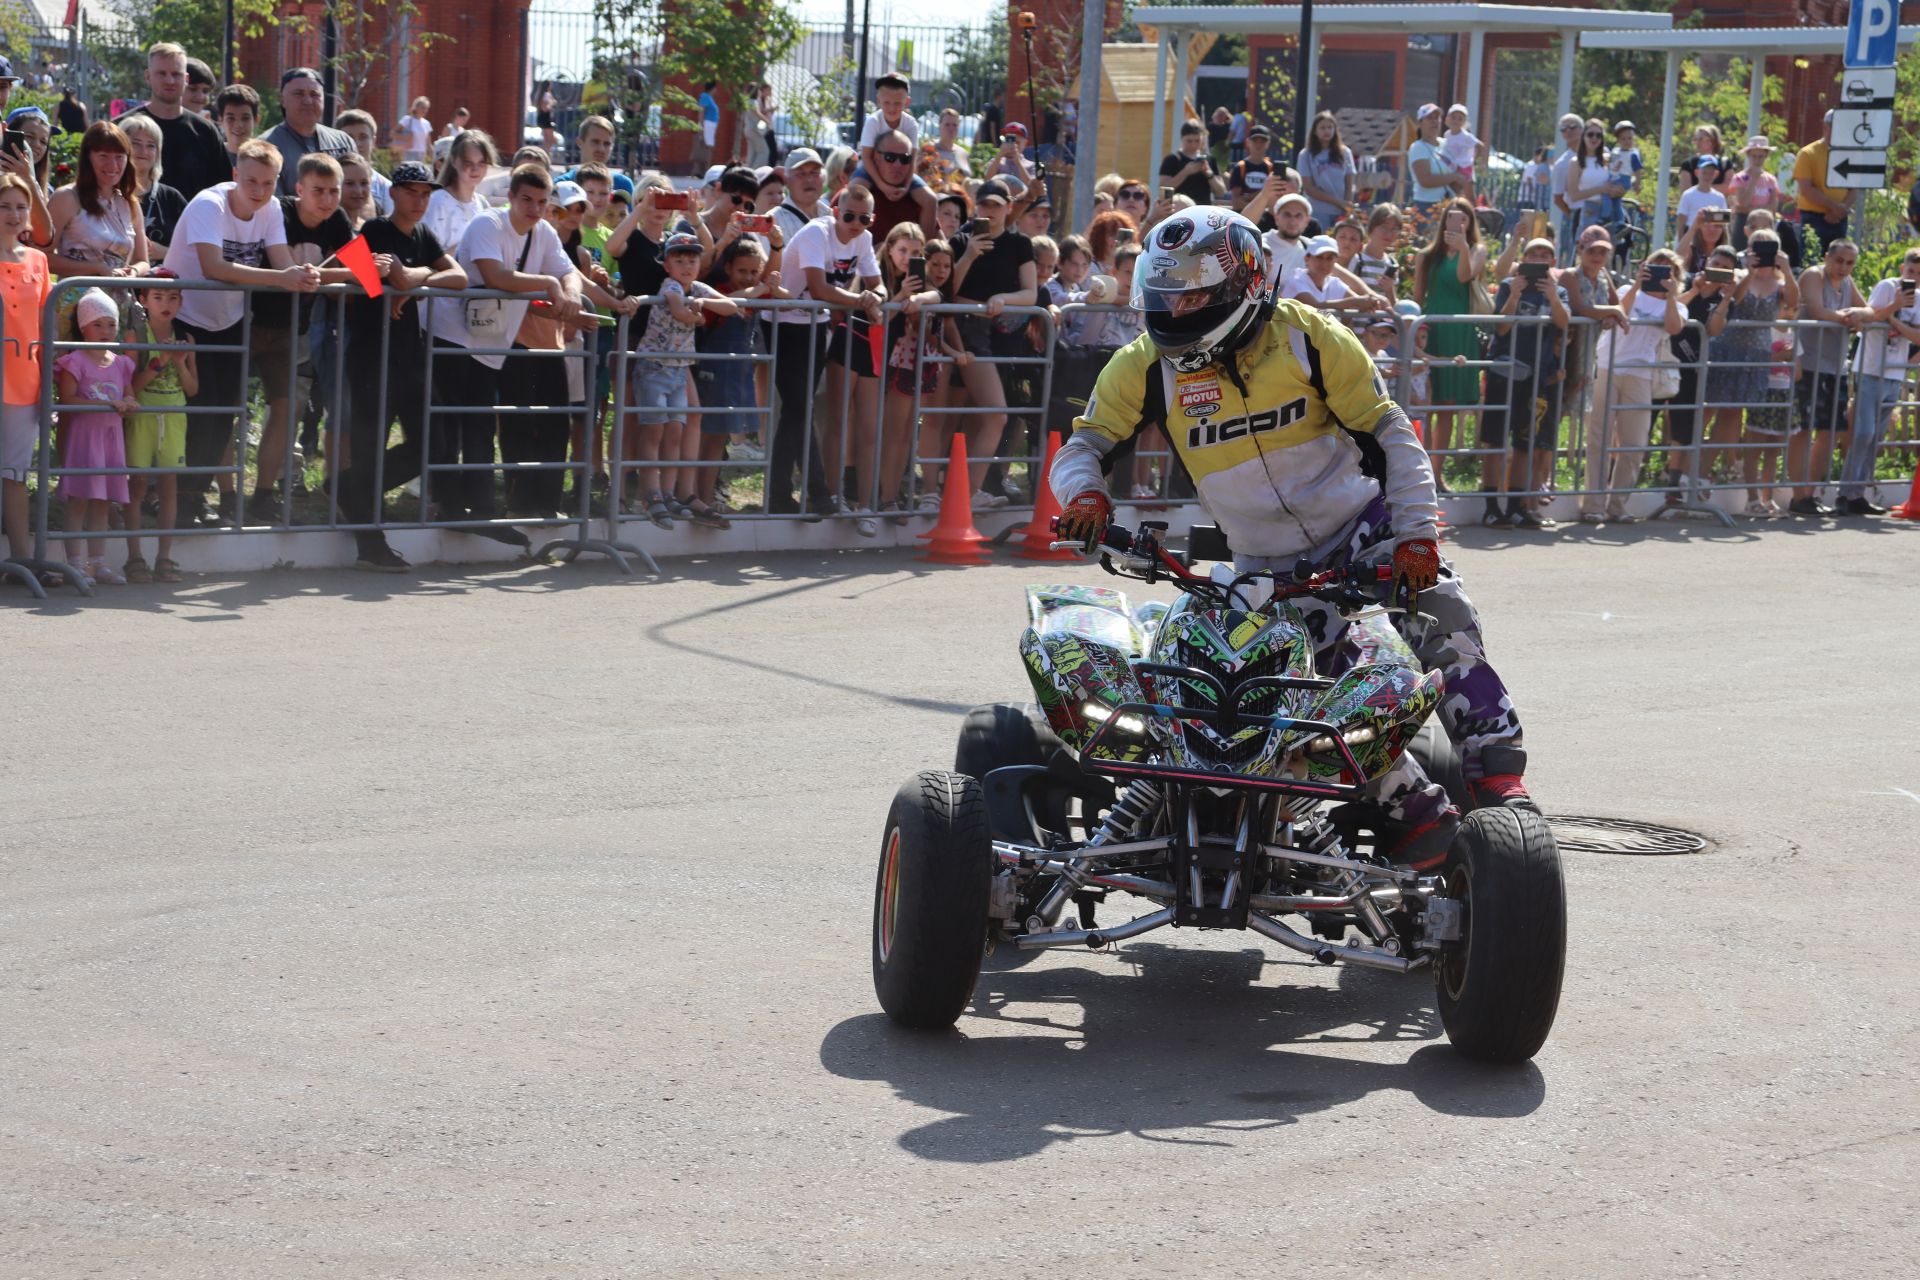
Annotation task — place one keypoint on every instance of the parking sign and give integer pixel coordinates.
(1873, 33)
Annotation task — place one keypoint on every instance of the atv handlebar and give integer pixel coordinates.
(1141, 550)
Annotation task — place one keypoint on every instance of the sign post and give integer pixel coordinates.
(1863, 123)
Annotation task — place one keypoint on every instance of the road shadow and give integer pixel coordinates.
(1172, 1045)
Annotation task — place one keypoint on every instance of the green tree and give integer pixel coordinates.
(647, 54)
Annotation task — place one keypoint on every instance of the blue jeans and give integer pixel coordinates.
(1873, 401)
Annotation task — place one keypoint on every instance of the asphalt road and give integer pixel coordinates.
(515, 923)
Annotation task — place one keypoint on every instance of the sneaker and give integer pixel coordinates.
(1861, 507)
(381, 559)
(746, 451)
(100, 571)
(1593, 517)
(984, 501)
(1420, 848)
(264, 507)
(1503, 790)
(1808, 507)
(226, 510)
(1524, 519)
(1760, 511)
(1497, 519)
(864, 524)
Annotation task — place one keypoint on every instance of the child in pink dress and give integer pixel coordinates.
(96, 436)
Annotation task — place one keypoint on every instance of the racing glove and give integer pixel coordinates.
(1416, 568)
(1085, 520)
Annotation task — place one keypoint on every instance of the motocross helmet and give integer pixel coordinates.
(1201, 282)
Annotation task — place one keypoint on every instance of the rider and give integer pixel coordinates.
(1296, 450)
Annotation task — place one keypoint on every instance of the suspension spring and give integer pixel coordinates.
(1130, 815)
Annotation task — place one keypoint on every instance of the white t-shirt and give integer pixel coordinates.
(209, 219)
(1285, 258)
(1562, 166)
(415, 134)
(815, 245)
(1300, 285)
(491, 236)
(1461, 150)
(1884, 354)
(877, 125)
(1641, 343)
(1693, 200)
(382, 194)
(447, 215)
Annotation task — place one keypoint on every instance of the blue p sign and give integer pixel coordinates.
(1872, 33)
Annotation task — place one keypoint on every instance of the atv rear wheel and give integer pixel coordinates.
(1441, 760)
(930, 899)
(1499, 985)
(1003, 733)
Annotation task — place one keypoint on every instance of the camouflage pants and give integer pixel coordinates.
(1476, 710)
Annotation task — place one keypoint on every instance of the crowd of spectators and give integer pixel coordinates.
(823, 322)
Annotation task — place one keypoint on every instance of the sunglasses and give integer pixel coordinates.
(740, 201)
(1595, 133)
(895, 157)
(1132, 193)
(864, 219)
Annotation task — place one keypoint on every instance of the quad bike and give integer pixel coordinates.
(1192, 756)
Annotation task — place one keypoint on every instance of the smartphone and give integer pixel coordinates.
(761, 223)
(1908, 287)
(917, 267)
(1659, 271)
(979, 227)
(1391, 271)
(1766, 252)
(1719, 275)
(14, 140)
(672, 200)
(1167, 193)
(1123, 235)
(1535, 270)
(1717, 215)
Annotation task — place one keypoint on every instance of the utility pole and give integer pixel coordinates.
(1303, 64)
(226, 48)
(1086, 161)
(329, 55)
(860, 86)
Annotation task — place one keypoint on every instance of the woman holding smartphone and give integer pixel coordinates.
(1620, 414)
(1739, 360)
(1443, 278)
(995, 268)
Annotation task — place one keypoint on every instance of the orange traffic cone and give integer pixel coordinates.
(1910, 509)
(953, 539)
(1037, 540)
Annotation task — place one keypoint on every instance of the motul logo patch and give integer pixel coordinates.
(1204, 395)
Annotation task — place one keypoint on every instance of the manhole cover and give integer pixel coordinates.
(1576, 834)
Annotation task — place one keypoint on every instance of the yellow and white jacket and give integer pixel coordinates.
(1267, 442)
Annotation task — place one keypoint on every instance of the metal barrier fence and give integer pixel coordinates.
(1578, 426)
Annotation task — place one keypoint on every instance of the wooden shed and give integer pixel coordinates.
(1125, 145)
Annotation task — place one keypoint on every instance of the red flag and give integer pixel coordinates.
(73, 13)
(357, 257)
(877, 342)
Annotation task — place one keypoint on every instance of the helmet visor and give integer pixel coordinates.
(1170, 296)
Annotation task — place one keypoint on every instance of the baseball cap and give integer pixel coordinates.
(801, 156)
(713, 174)
(411, 173)
(1461, 107)
(568, 194)
(1014, 126)
(6, 71)
(1383, 322)
(1618, 125)
(681, 242)
(990, 188)
(1293, 198)
(1260, 131)
(1705, 162)
(1321, 244)
(1426, 109)
(1539, 242)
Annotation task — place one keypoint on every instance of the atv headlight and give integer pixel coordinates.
(1100, 715)
(1352, 737)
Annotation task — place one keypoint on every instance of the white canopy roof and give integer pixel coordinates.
(1281, 19)
(1783, 41)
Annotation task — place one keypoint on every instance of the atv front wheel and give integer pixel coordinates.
(930, 899)
(1499, 985)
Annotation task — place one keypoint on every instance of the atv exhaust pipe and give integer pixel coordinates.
(1325, 952)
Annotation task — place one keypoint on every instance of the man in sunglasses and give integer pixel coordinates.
(1568, 216)
(899, 194)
